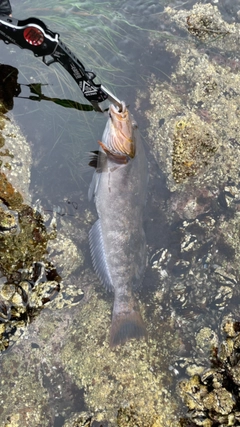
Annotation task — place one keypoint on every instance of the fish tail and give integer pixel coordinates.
(126, 326)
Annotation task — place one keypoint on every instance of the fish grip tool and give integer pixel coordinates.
(34, 35)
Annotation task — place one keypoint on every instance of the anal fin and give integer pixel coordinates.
(98, 255)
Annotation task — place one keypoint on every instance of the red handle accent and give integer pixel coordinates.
(33, 36)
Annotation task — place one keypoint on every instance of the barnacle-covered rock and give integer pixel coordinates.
(216, 390)
(83, 419)
(193, 147)
(23, 239)
(235, 372)
(199, 110)
(206, 23)
(8, 221)
(220, 401)
(192, 392)
(193, 134)
(206, 339)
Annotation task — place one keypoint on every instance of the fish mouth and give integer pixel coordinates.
(121, 141)
(120, 114)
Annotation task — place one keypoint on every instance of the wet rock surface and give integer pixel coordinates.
(24, 268)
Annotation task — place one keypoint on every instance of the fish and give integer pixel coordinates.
(117, 239)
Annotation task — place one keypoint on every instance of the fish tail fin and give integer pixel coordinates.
(126, 326)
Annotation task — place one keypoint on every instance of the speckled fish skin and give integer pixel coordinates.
(117, 239)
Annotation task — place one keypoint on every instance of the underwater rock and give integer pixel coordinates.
(213, 397)
(204, 21)
(193, 135)
(193, 147)
(8, 221)
(16, 163)
(129, 377)
(199, 110)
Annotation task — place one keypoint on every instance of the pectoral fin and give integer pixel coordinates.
(93, 159)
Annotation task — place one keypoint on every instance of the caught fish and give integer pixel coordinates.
(117, 239)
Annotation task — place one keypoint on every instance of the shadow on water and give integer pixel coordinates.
(55, 316)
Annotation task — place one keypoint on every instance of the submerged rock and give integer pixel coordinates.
(194, 137)
(212, 397)
(193, 147)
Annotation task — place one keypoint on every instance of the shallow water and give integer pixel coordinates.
(65, 363)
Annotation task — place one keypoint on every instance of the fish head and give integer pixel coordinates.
(121, 131)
